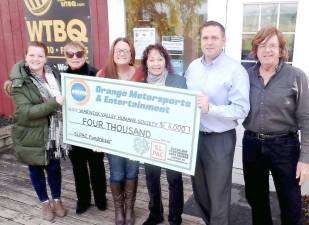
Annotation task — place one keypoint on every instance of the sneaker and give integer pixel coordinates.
(59, 209)
(47, 211)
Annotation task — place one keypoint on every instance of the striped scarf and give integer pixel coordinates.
(55, 147)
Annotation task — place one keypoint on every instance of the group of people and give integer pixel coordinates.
(271, 97)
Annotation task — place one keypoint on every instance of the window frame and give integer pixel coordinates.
(278, 12)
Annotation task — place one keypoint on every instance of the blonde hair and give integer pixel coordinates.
(75, 44)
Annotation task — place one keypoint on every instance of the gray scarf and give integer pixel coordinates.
(55, 148)
(157, 79)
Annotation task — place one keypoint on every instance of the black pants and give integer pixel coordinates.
(278, 156)
(175, 187)
(81, 158)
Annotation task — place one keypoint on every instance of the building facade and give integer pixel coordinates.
(175, 24)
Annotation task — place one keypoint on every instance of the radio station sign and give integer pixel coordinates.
(55, 23)
(143, 122)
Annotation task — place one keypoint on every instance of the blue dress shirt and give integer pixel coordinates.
(226, 83)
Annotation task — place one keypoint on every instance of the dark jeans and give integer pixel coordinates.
(175, 187)
(38, 180)
(278, 156)
(81, 159)
(122, 169)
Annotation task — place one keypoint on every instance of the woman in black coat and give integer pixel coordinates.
(81, 158)
(157, 69)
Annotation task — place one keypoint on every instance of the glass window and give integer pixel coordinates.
(256, 16)
(251, 18)
(175, 23)
(287, 17)
(246, 46)
(290, 45)
(269, 15)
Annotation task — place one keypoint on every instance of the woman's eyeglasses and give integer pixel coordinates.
(78, 54)
(268, 46)
(122, 51)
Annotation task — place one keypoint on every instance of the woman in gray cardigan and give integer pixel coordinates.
(158, 70)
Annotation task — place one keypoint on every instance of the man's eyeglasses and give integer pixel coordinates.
(78, 54)
(122, 51)
(269, 46)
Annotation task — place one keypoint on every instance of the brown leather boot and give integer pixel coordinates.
(130, 196)
(47, 211)
(118, 197)
(58, 208)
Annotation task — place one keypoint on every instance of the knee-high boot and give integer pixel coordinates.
(118, 197)
(130, 196)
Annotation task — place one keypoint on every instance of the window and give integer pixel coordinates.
(256, 16)
(174, 23)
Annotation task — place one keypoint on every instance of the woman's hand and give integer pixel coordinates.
(59, 99)
(7, 87)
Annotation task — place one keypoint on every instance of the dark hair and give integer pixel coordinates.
(264, 34)
(163, 52)
(212, 23)
(110, 67)
(38, 44)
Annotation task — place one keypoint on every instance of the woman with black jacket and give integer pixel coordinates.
(81, 158)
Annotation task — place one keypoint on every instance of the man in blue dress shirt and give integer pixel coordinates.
(224, 98)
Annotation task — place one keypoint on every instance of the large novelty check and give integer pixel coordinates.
(143, 122)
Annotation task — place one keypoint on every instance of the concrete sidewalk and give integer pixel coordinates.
(240, 210)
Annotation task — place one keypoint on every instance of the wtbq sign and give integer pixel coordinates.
(56, 22)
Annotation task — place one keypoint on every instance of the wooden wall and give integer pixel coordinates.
(13, 40)
(100, 32)
(12, 44)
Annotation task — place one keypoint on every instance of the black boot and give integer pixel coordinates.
(101, 205)
(82, 207)
(153, 220)
(130, 196)
(118, 197)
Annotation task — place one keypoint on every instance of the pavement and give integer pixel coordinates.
(240, 210)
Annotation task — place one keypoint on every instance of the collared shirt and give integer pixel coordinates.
(226, 83)
(280, 106)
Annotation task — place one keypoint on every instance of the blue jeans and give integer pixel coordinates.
(278, 156)
(122, 169)
(38, 180)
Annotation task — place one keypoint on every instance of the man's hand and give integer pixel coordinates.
(59, 99)
(302, 172)
(202, 103)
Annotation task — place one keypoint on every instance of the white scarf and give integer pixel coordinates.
(157, 79)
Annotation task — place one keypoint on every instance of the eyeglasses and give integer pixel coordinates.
(123, 51)
(78, 54)
(269, 46)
